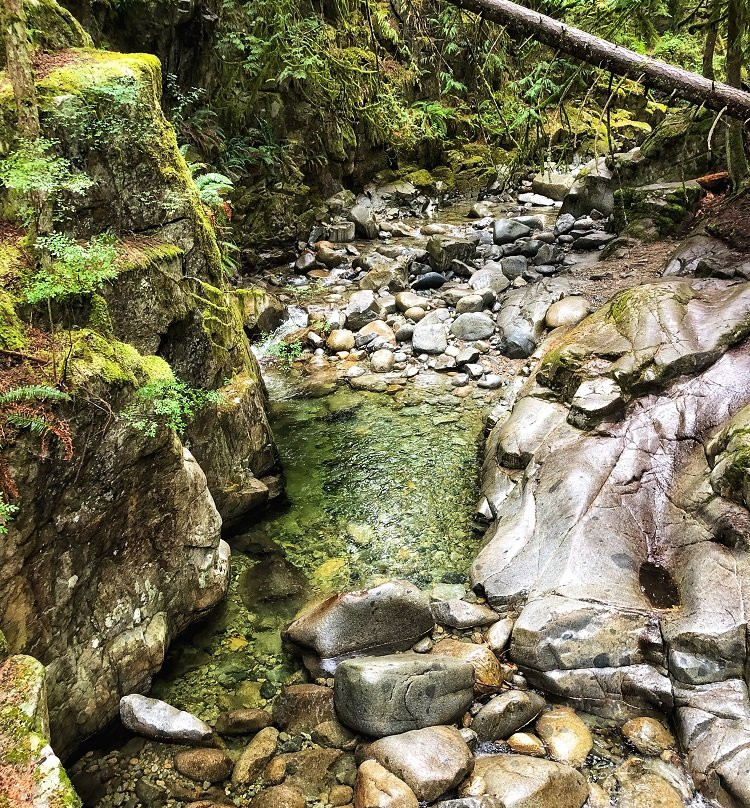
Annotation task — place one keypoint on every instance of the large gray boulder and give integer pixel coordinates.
(526, 782)
(506, 231)
(361, 309)
(364, 221)
(445, 249)
(156, 719)
(430, 761)
(521, 319)
(552, 184)
(430, 335)
(592, 190)
(490, 276)
(473, 326)
(380, 620)
(622, 546)
(392, 694)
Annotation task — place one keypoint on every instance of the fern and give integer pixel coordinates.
(32, 392)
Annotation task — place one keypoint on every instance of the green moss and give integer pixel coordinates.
(53, 27)
(12, 332)
(99, 319)
(94, 358)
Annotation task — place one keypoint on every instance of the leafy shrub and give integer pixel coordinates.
(172, 404)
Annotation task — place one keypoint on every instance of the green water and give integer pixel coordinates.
(375, 490)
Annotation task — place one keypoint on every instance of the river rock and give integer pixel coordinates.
(281, 796)
(244, 721)
(552, 184)
(430, 334)
(567, 312)
(430, 761)
(329, 256)
(593, 241)
(315, 770)
(640, 788)
(445, 249)
(391, 275)
(300, 708)
(333, 734)
(525, 743)
(381, 330)
(416, 314)
(430, 280)
(506, 231)
(392, 694)
(364, 221)
(649, 736)
(462, 614)
(361, 309)
(255, 756)
(490, 276)
(592, 190)
(376, 787)
(382, 361)
(379, 620)
(473, 326)
(340, 339)
(499, 634)
(212, 765)
(470, 303)
(520, 781)
(521, 319)
(488, 675)
(156, 719)
(408, 300)
(565, 735)
(536, 200)
(514, 266)
(506, 714)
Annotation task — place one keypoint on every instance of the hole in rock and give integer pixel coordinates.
(658, 586)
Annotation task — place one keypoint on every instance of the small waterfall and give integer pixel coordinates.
(297, 318)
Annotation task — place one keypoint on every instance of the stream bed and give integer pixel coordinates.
(376, 490)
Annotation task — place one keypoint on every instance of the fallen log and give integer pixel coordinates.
(524, 22)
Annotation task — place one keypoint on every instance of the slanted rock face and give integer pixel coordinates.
(622, 547)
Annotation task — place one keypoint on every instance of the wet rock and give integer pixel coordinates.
(385, 618)
(445, 249)
(565, 735)
(479, 211)
(461, 614)
(643, 789)
(255, 756)
(382, 361)
(371, 382)
(156, 719)
(315, 771)
(525, 782)
(552, 184)
(391, 275)
(211, 765)
(567, 312)
(521, 319)
(408, 300)
(393, 694)
(364, 221)
(525, 743)
(282, 796)
(649, 736)
(430, 761)
(380, 330)
(488, 675)
(305, 262)
(340, 795)
(506, 231)
(499, 634)
(490, 382)
(564, 224)
(335, 735)
(491, 276)
(473, 326)
(430, 280)
(430, 334)
(506, 714)
(329, 256)
(593, 241)
(376, 787)
(514, 266)
(361, 309)
(470, 303)
(340, 339)
(300, 708)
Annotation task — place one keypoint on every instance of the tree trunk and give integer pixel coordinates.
(18, 51)
(599, 52)
(736, 158)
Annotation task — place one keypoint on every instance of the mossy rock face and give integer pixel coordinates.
(648, 335)
(31, 776)
(54, 28)
(667, 205)
(728, 454)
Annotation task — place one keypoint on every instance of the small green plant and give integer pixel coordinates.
(75, 268)
(26, 408)
(171, 403)
(285, 353)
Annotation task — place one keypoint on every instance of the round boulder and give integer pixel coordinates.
(340, 339)
(211, 765)
(568, 311)
(473, 326)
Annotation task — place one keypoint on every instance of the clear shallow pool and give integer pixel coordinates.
(375, 490)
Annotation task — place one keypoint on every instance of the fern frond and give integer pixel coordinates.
(32, 392)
